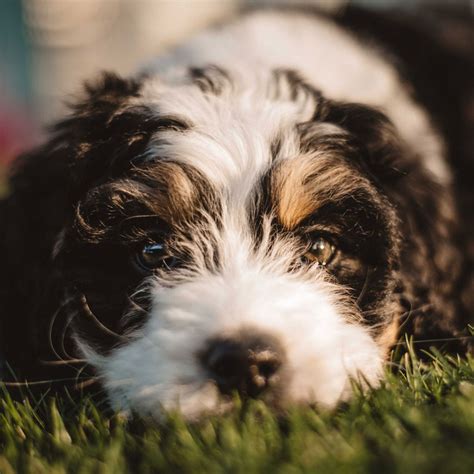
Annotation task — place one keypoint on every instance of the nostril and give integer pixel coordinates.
(227, 361)
(267, 369)
(263, 366)
(267, 363)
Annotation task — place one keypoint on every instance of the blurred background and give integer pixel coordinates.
(48, 47)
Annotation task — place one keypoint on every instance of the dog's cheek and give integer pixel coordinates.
(156, 370)
(323, 372)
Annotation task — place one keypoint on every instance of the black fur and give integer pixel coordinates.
(441, 74)
(86, 176)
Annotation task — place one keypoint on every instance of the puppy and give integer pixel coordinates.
(263, 210)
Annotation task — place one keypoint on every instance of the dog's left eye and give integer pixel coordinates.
(321, 251)
(155, 255)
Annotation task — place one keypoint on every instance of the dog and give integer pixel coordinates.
(264, 210)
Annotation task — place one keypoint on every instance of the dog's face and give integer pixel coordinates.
(229, 235)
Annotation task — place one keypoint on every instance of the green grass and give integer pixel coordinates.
(420, 421)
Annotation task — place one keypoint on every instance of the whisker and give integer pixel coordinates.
(63, 362)
(143, 288)
(136, 305)
(79, 372)
(35, 382)
(363, 291)
(412, 312)
(86, 383)
(406, 314)
(63, 334)
(442, 339)
(52, 324)
(86, 308)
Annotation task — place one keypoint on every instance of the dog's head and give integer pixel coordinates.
(223, 232)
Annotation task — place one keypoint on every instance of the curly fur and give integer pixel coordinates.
(236, 161)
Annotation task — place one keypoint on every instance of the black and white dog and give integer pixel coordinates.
(263, 210)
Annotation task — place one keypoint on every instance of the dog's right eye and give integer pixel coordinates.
(153, 256)
(321, 251)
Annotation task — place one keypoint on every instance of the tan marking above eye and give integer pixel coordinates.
(303, 184)
(172, 193)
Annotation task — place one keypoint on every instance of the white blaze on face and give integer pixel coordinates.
(229, 141)
(324, 349)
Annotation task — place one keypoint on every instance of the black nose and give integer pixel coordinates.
(248, 363)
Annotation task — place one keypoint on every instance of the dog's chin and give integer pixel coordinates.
(324, 350)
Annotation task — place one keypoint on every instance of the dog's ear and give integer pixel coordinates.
(95, 140)
(376, 136)
(433, 273)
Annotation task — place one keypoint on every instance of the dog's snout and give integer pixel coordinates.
(249, 364)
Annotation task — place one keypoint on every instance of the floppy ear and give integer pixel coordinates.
(385, 156)
(44, 186)
(31, 217)
(434, 276)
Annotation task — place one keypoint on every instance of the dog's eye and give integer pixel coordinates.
(321, 251)
(155, 255)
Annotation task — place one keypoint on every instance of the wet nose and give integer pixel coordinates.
(249, 364)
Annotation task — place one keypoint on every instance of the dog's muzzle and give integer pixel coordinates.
(248, 363)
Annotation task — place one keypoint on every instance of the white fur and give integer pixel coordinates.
(331, 59)
(231, 136)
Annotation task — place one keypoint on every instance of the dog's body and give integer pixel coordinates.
(261, 210)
